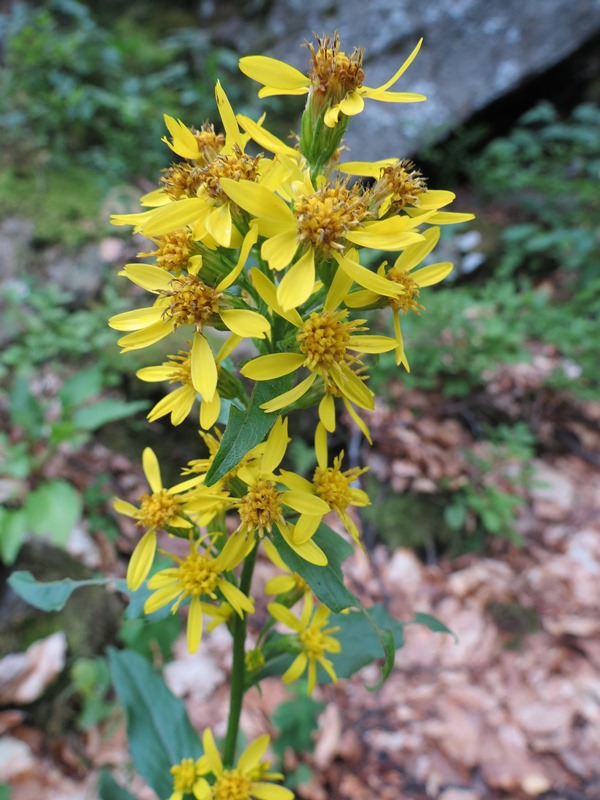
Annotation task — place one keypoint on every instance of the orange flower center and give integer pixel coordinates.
(157, 509)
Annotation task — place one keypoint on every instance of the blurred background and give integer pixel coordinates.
(485, 465)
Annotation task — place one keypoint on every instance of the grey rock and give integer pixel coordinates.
(474, 52)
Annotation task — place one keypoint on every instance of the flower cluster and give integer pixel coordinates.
(270, 263)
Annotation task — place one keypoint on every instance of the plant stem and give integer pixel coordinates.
(238, 668)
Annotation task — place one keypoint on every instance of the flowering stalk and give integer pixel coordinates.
(260, 244)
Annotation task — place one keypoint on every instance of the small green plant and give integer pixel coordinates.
(74, 89)
(34, 502)
(487, 504)
(90, 680)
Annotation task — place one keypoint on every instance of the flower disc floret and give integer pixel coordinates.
(260, 508)
(181, 180)
(325, 216)
(157, 509)
(407, 301)
(173, 250)
(237, 166)
(193, 302)
(325, 339)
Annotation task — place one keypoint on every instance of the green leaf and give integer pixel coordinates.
(109, 789)
(158, 729)
(52, 595)
(296, 720)
(366, 636)
(81, 386)
(53, 509)
(433, 623)
(104, 411)
(25, 411)
(326, 582)
(245, 429)
(5, 792)
(13, 529)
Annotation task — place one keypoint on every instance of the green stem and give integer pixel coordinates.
(238, 669)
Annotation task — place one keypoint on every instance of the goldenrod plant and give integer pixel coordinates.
(288, 249)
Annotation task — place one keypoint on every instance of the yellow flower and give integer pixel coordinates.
(262, 505)
(159, 510)
(179, 402)
(250, 779)
(186, 776)
(287, 582)
(314, 640)
(332, 485)
(401, 275)
(335, 81)
(198, 575)
(186, 300)
(191, 194)
(326, 344)
(321, 222)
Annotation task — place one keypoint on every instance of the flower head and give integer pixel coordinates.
(198, 575)
(186, 777)
(334, 82)
(250, 779)
(313, 640)
(159, 509)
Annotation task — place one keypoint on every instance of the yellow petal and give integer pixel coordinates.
(306, 527)
(152, 374)
(414, 254)
(145, 337)
(370, 280)
(245, 323)
(209, 412)
(296, 669)
(151, 469)
(137, 319)
(359, 422)
(123, 507)
(309, 551)
(353, 388)
(194, 625)
(233, 137)
(352, 104)
(305, 503)
(366, 169)
(249, 240)
(164, 596)
(327, 413)
(287, 398)
(434, 273)
(361, 299)
(253, 754)
(184, 141)
(175, 215)
(177, 403)
(149, 277)
(271, 211)
(276, 445)
(435, 199)
(157, 197)
(395, 97)
(321, 446)
(141, 561)
(273, 73)
(340, 286)
(274, 365)
(264, 138)
(298, 283)
(219, 224)
(268, 292)
(372, 344)
(203, 368)
(279, 250)
(402, 70)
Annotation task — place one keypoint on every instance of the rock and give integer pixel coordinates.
(473, 53)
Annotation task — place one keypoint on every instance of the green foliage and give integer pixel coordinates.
(548, 167)
(158, 729)
(297, 720)
(34, 504)
(109, 789)
(90, 679)
(50, 595)
(79, 90)
(488, 503)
